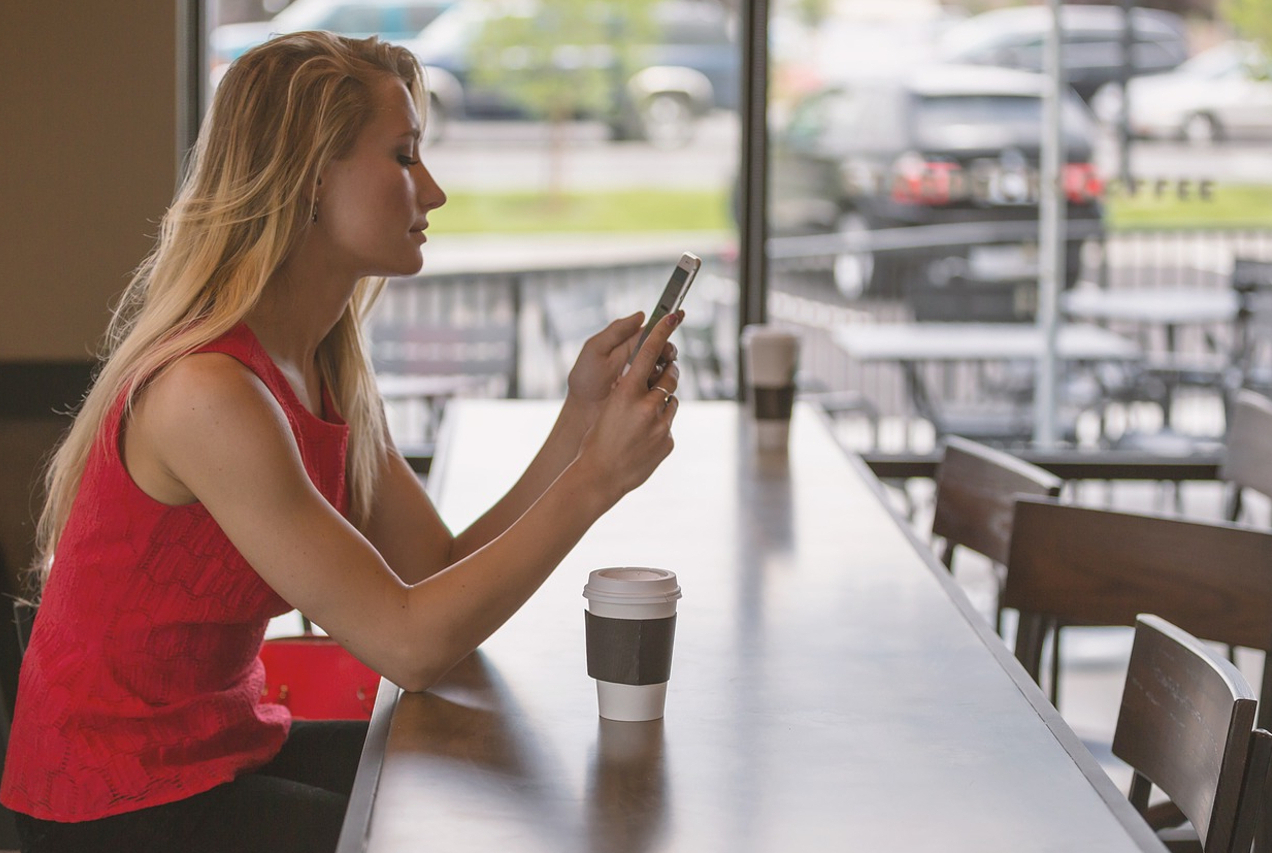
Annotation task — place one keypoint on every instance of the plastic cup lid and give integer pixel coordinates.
(631, 585)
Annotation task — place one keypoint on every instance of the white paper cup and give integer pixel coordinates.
(631, 619)
(772, 357)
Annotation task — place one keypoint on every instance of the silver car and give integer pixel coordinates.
(1222, 93)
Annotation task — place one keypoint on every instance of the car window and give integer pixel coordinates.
(416, 18)
(975, 121)
(353, 19)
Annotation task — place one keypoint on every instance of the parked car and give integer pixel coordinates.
(688, 69)
(391, 20)
(1092, 52)
(940, 144)
(1222, 93)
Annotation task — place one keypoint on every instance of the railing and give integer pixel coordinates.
(557, 305)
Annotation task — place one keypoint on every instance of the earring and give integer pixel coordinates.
(313, 216)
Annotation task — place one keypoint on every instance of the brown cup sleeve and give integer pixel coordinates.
(629, 651)
(773, 404)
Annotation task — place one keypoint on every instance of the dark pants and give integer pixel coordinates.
(294, 804)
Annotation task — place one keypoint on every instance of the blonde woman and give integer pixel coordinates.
(231, 462)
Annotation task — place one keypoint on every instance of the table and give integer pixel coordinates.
(1167, 308)
(911, 345)
(831, 688)
(913, 342)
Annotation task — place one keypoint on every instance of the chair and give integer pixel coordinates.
(1079, 565)
(1186, 725)
(1247, 461)
(420, 365)
(1252, 280)
(976, 491)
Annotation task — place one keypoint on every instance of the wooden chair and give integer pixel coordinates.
(1186, 725)
(976, 491)
(1080, 565)
(1247, 462)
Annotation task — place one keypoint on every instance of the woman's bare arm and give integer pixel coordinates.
(213, 428)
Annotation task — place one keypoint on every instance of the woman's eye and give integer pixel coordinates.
(407, 160)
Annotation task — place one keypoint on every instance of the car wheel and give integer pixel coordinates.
(1201, 129)
(853, 272)
(667, 120)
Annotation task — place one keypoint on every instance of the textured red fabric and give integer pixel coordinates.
(142, 682)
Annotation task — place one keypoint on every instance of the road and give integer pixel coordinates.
(517, 156)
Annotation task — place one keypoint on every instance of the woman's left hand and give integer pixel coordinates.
(604, 356)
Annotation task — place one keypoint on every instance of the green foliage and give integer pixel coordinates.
(561, 59)
(1229, 206)
(598, 211)
(1252, 20)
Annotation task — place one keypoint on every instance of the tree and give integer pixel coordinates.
(564, 59)
(1252, 20)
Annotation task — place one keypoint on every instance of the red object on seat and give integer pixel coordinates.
(316, 679)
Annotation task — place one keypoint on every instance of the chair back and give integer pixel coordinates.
(1252, 281)
(1247, 461)
(976, 491)
(1185, 725)
(1099, 567)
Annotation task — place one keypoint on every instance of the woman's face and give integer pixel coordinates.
(373, 204)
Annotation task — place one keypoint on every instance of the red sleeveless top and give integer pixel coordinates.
(141, 684)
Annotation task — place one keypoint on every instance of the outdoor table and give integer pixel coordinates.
(912, 345)
(832, 688)
(1167, 308)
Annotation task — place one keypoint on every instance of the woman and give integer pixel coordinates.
(232, 462)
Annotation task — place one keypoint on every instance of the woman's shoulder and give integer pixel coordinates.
(204, 388)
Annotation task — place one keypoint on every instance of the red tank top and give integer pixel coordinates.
(141, 684)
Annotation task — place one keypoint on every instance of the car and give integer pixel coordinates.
(940, 144)
(391, 20)
(1221, 93)
(1092, 53)
(690, 67)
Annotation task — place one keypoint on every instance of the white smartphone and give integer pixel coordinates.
(673, 294)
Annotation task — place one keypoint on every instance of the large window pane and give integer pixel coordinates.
(905, 181)
(583, 145)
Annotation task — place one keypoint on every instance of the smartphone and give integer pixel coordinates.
(673, 294)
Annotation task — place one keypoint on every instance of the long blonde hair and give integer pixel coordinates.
(281, 113)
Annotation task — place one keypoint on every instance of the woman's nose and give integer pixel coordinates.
(431, 194)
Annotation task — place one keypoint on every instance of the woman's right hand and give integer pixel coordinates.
(632, 435)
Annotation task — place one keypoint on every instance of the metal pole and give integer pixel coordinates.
(1051, 227)
(192, 76)
(753, 180)
(1124, 111)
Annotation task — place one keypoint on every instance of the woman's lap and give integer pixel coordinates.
(295, 803)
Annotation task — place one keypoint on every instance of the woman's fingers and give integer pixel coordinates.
(650, 351)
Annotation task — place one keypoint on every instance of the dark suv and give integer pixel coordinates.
(1092, 50)
(689, 67)
(945, 145)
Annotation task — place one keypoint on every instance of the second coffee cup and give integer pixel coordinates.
(772, 357)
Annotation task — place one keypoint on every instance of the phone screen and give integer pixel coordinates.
(672, 296)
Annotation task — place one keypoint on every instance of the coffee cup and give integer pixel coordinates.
(631, 626)
(771, 359)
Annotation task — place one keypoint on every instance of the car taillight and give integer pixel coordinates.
(1081, 182)
(919, 180)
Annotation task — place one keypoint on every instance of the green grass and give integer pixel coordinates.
(637, 210)
(1229, 206)
(603, 211)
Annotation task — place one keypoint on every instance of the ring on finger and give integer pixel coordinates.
(666, 394)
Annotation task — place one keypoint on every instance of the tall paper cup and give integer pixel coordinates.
(771, 359)
(631, 626)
